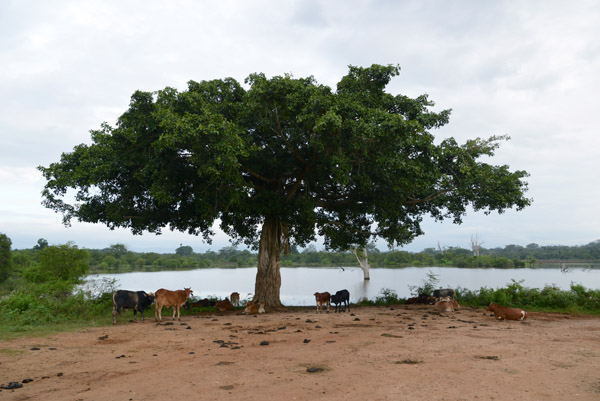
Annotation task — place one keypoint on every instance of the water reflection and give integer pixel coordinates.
(299, 284)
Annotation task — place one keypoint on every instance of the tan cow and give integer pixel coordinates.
(446, 305)
(172, 299)
(235, 298)
(506, 313)
(251, 308)
(323, 298)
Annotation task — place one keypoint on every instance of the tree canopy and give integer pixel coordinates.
(278, 162)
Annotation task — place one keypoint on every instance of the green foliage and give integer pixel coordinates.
(339, 164)
(41, 244)
(59, 263)
(387, 297)
(5, 257)
(577, 299)
(184, 251)
(428, 285)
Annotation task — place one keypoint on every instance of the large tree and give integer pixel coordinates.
(278, 162)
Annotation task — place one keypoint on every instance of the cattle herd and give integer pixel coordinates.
(443, 300)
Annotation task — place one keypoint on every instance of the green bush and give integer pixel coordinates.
(577, 299)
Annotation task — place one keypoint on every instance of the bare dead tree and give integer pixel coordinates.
(442, 249)
(363, 260)
(475, 245)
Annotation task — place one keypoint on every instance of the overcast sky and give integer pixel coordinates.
(530, 70)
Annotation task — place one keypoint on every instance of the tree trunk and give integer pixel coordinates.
(268, 276)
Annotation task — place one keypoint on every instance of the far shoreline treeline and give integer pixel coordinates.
(117, 258)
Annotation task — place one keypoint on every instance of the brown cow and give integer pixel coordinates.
(506, 313)
(323, 298)
(172, 299)
(251, 308)
(224, 305)
(235, 298)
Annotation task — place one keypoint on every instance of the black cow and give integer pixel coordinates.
(136, 300)
(444, 292)
(342, 296)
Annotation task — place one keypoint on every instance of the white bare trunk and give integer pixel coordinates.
(364, 262)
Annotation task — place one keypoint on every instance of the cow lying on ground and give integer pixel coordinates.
(506, 313)
(253, 309)
(136, 300)
(323, 298)
(421, 299)
(224, 305)
(341, 297)
(444, 292)
(201, 303)
(170, 299)
(235, 298)
(446, 305)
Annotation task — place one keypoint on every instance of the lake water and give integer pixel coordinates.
(299, 284)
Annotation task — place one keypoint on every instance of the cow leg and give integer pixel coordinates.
(115, 312)
(134, 314)
(158, 313)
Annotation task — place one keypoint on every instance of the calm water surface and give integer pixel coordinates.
(299, 284)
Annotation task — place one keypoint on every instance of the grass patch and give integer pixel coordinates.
(11, 352)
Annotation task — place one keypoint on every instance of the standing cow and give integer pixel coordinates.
(341, 297)
(136, 300)
(444, 292)
(170, 299)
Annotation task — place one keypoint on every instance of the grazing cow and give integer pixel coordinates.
(251, 308)
(323, 298)
(444, 292)
(136, 300)
(170, 299)
(506, 313)
(224, 305)
(341, 297)
(235, 298)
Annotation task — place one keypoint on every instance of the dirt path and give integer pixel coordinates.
(372, 353)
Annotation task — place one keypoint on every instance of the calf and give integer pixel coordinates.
(224, 305)
(323, 298)
(444, 292)
(235, 298)
(506, 313)
(136, 300)
(172, 299)
(341, 297)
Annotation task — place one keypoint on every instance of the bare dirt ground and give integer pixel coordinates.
(370, 353)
